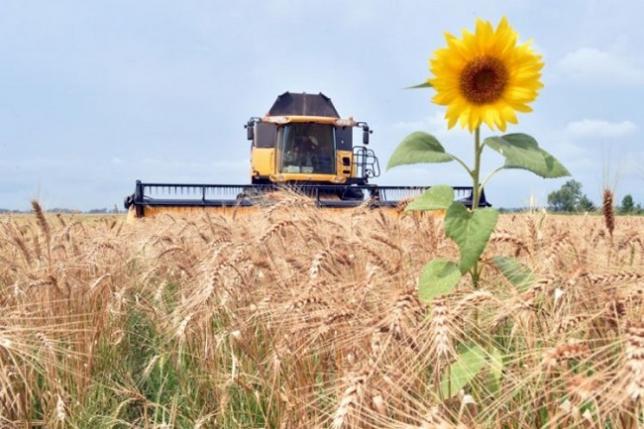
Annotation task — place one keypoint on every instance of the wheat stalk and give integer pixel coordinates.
(608, 211)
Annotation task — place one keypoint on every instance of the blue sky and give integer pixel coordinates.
(94, 95)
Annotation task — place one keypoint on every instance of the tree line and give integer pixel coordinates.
(570, 198)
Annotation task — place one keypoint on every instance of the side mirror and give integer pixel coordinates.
(365, 134)
(250, 130)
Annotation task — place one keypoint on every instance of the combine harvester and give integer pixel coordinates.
(303, 145)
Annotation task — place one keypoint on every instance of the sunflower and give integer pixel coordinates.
(485, 76)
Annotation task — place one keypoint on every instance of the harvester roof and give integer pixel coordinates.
(302, 104)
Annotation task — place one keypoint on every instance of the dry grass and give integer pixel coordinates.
(300, 319)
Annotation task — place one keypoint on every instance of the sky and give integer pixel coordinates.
(94, 95)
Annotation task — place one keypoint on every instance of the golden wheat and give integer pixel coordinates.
(306, 318)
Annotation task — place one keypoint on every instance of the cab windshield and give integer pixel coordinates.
(306, 149)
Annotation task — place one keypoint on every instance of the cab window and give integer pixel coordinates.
(306, 149)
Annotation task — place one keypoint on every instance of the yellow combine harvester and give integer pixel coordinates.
(302, 144)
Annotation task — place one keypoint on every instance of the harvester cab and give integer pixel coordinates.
(302, 140)
(301, 144)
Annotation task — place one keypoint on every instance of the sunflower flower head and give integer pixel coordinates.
(485, 76)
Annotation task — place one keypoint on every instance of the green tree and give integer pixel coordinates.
(585, 204)
(628, 206)
(569, 198)
(566, 198)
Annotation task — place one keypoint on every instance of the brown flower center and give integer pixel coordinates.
(483, 80)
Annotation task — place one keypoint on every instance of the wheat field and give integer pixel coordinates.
(298, 318)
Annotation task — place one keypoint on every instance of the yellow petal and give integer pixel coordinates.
(523, 82)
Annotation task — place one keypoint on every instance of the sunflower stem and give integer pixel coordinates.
(487, 179)
(476, 172)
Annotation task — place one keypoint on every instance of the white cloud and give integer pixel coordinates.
(598, 128)
(420, 125)
(592, 65)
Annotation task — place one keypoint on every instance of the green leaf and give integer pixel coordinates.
(418, 147)
(523, 151)
(438, 277)
(470, 230)
(435, 198)
(463, 371)
(517, 273)
(496, 368)
(425, 84)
